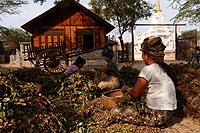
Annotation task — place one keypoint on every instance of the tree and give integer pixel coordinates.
(11, 6)
(188, 11)
(12, 37)
(55, 1)
(123, 13)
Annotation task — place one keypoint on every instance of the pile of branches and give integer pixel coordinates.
(188, 88)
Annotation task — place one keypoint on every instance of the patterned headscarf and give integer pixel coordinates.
(154, 47)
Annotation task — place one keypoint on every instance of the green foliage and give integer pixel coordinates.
(194, 65)
(11, 6)
(21, 104)
(12, 37)
(129, 75)
(137, 104)
(41, 1)
(123, 13)
(189, 11)
(78, 88)
(55, 1)
(28, 75)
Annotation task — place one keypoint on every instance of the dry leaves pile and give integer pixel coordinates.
(188, 88)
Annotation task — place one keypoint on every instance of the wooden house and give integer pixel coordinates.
(71, 23)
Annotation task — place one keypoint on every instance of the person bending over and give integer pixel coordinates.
(75, 67)
(111, 79)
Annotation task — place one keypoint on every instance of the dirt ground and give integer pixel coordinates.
(183, 125)
(177, 124)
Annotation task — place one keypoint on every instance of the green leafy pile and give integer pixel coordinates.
(24, 107)
(135, 103)
(38, 76)
(129, 75)
(77, 90)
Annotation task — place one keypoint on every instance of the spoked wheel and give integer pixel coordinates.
(53, 61)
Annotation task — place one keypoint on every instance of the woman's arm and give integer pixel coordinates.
(102, 69)
(138, 89)
(78, 71)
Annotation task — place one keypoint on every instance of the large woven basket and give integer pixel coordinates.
(109, 98)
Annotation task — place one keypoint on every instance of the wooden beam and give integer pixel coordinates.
(160, 24)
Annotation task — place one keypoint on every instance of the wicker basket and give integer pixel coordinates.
(109, 98)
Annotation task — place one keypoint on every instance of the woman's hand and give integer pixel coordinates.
(95, 69)
(124, 89)
(101, 69)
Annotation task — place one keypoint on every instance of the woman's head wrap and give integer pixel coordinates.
(108, 53)
(154, 47)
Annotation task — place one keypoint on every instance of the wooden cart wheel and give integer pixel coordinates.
(53, 61)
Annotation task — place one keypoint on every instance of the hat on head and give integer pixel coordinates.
(108, 53)
(154, 47)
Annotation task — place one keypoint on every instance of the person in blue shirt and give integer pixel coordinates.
(111, 79)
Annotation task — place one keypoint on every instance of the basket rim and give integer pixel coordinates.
(103, 94)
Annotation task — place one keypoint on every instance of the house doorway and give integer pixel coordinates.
(88, 41)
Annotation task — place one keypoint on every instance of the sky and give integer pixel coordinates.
(32, 10)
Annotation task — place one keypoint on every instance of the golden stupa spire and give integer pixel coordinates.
(158, 6)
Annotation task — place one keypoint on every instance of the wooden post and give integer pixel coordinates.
(176, 41)
(132, 45)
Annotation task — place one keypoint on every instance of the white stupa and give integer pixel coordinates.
(166, 33)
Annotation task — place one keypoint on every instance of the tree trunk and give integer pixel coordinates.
(122, 45)
(127, 51)
(133, 58)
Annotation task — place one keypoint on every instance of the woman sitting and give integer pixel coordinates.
(156, 83)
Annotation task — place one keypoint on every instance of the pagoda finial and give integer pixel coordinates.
(158, 6)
